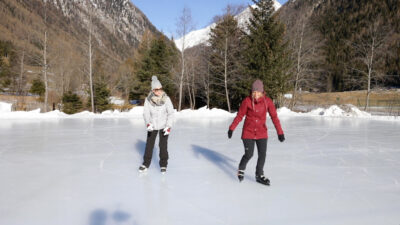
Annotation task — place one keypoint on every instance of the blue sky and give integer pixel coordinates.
(164, 13)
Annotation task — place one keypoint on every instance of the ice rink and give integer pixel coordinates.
(329, 171)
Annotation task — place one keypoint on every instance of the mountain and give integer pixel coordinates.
(337, 38)
(118, 25)
(200, 36)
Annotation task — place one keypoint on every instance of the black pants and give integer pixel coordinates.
(148, 154)
(248, 153)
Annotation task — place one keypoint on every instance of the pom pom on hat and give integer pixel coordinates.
(155, 83)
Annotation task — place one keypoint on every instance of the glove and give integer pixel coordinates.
(150, 127)
(230, 132)
(281, 137)
(166, 131)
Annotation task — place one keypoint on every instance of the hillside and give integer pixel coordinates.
(117, 29)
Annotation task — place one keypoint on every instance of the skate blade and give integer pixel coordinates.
(266, 184)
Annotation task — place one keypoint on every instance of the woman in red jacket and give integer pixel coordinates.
(255, 108)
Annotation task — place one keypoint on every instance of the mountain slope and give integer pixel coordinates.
(117, 24)
(337, 37)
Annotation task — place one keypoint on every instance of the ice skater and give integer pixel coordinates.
(158, 116)
(255, 108)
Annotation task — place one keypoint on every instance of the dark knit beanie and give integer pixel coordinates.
(257, 86)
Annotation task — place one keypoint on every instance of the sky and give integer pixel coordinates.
(164, 13)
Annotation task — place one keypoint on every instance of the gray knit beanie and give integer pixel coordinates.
(155, 83)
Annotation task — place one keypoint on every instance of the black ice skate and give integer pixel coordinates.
(262, 180)
(142, 168)
(240, 175)
(163, 170)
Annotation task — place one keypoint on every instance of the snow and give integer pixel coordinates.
(330, 170)
(200, 36)
(288, 96)
(116, 101)
(202, 113)
(5, 107)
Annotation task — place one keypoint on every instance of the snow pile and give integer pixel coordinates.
(116, 101)
(343, 111)
(286, 112)
(204, 112)
(288, 96)
(5, 107)
(336, 111)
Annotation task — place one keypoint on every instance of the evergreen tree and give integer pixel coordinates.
(158, 59)
(37, 87)
(100, 89)
(101, 96)
(226, 61)
(8, 59)
(344, 24)
(71, 103)
(266, 54)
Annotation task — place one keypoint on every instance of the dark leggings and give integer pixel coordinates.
(248, 153)
(163, 144)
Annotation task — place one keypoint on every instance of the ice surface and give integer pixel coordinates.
(83, 171)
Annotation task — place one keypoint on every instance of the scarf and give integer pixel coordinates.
(157, 100)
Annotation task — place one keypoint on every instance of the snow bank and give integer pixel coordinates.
(345, 111)
(5, 107)
(334, 111)
(204, 112)
(116, 101)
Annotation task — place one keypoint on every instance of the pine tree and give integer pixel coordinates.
(267, 55)
(101, 93)
(226, 60)
(37, 87)
(101, 96)
(71, 103)
(157, 60)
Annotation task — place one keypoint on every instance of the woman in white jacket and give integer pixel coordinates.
(158, 116)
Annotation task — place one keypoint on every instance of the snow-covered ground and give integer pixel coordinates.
(334, 168)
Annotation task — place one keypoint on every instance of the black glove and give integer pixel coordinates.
(230, 133)
(281, 137)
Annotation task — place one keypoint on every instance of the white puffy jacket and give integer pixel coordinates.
(159, 116)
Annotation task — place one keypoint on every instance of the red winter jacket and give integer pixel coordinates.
(255, 126)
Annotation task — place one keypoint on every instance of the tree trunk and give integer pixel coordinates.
(226, 75)
(90, 65)
(46, 85)
(298, 70)
(208, 85)
(193, 87)
(189, 91)
(21, 74)
(182, 75)
(370, 74)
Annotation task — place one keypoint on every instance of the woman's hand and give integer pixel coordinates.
(230, 133)
(150, 127)
(281, 137)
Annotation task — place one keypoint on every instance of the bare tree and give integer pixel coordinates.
(226, 60)
(21, 73)
(368, 48)
(90, 52)
(184, 25)
(45, 66)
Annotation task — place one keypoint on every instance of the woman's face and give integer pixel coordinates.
(257, 94)
(158, 91)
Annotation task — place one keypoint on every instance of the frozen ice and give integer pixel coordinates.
(83, 170)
